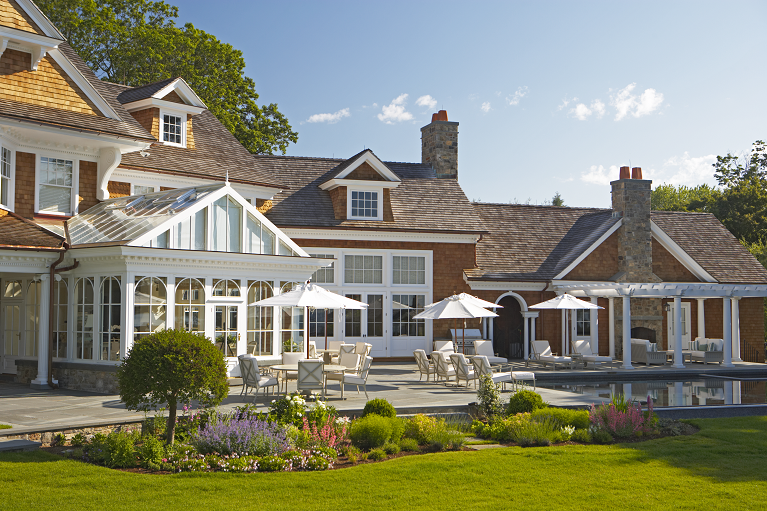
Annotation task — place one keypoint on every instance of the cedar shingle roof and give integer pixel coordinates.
(19, 233)
(126, 126)
(216, 151)
(421, 202)
(712, 246)
(534, 242)
(143, 92)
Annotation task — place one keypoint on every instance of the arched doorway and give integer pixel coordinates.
(508, 329)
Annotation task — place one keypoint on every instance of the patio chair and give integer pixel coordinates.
(349, 360)
(291, 358)
(358, 379)
(485, 348)
(424, 365)
(482, 368)
(363, 349)
(343, 348)
(252, 378)
(462, 369)
(644, 351)
(442, 366)
(542, 354)
(313, 349)
(707, 350)
(310, 376)
(446, 346)
(583, 347)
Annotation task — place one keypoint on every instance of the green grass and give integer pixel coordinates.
(724, 466)
(5, 426)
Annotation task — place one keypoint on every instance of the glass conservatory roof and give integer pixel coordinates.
(124, 219)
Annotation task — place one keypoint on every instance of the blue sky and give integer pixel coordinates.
(550, 96)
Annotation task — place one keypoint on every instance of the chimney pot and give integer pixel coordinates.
(625, 173)
(433, 117)
(636, 173)
(441, 116)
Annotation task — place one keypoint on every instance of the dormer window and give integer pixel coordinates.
(173, 128)
(364, 204)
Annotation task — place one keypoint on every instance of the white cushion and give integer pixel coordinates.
(523, 375)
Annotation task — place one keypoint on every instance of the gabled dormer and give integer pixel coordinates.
(360, 188)
(165, 109)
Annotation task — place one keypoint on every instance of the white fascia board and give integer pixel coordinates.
(84, 84)
(680, 255)
(40, 19)
(499, 285)
(151, 178)
(358, 184)
(25, 261)
(589, 250)
(182, 89)
(661, 289)
(143, 104)
(377, 235)
(373, 161)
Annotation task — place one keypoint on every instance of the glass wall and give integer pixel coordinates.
(260, 320)
(227, 216)
(150, 303)
(190, 305)
(59, 316)
(32, 315)
(111, 319)
(291, 323)
(84, 319)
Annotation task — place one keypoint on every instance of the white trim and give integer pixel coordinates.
(680, 255)
(27, 42)
(79, 138)
(74, 189)
(499, 285)
(143, 104)
(360, 184)
(12, 180)
(182, 89)
(172, 112)
(371, 159)
(109, 159)
(148, 177)
(658, 290)
(589, 250)
(379, 203)
(40, 19)
(378, 235)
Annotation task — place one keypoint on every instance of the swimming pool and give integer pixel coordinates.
(704, 391)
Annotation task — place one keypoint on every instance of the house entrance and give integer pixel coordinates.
(508, 334)
(367, 325)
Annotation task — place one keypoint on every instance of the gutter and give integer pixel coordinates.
(51, 278)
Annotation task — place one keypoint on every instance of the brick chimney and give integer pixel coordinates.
(439, 145)
(631, 201)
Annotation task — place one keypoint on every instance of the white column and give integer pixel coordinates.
(532, 331)
(727, 331)
(701, 317)
(736, 329)
(611, 324)
(736, 395)
(594, 317)
(677, 328)
(627, 332)
(564, 331)
(526, 334)
(41, 382)
(728, 392)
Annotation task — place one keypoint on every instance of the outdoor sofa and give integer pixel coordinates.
(645, 352)
(707, 350)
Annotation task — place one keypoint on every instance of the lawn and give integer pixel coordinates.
(5, 426)
(724, 466)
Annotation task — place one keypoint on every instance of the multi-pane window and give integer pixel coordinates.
(359, 269)
(191, 233)
(190, 305)
(227, 215)
(291, 323)
(353, 319)
(111, 319)
(365, 204)
(285, 250)
(317, 322)
(228, 288)
(375, 315)
(583, 322)
(59, 315)
(5, 176)
(408, 270)
(84, 319)
(260, 320)
(404, 307)
(33, 320)
(258, 239)
(55, 185)
(142, 190)
(324, 275)
(150, 302)
(172, 126)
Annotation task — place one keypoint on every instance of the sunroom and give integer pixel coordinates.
(194, 258)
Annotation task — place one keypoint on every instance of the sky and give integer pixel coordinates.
(550, 96)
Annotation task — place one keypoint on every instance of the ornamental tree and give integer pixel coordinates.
(172, 367)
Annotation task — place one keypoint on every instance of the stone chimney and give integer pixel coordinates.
(439, 145)
(631, 201)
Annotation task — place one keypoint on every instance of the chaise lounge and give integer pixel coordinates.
(583, 348)
(542, 354)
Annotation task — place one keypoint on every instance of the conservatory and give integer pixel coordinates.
(195, 258)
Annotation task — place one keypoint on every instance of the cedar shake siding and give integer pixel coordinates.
(88, 177)
(49, 86)
(338, 198)
(118, 189)
(11, 15)
(601, 264)
(25, 184)
(365, 173)
(173, 97)
(149, 119)
(667, 267)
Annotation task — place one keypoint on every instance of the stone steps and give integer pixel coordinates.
(19, 446)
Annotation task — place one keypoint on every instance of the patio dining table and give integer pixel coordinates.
(326, 368)
(328, 354)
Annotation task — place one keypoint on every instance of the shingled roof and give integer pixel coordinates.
(712, 246)
(143, 92)
(421, 202)
(125, 127)
(534, 243)
(17, 233)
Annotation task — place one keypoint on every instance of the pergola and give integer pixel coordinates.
(729, 293)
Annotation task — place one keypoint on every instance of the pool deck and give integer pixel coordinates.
(28, 410)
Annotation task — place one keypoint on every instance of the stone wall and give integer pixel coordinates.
(48, 436)
(439, 146)
(73, 376)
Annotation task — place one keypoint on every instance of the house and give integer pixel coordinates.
(124, 210)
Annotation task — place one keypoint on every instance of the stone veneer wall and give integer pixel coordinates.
(439, 146)
(73, 376)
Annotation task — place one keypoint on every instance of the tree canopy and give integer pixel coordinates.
(136, 42)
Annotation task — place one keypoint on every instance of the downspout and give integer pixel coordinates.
(51, 277)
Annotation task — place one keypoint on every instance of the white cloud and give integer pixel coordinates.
(599, 175)
(485, 106)
(583, 112)
(395, 111)
(520, 93)
(627, 103)
(598, 108)
(427, 101)
(330, 118)
(686, 170)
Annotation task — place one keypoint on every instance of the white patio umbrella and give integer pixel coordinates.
(473, 300)
(565, 302)
(311, 295)
(456, 307)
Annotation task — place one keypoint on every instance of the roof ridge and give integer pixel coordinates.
(285, 156)
(549, 206)
(155, 83)
(682, 212)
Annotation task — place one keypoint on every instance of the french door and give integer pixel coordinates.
(367, 325)
(685, 326)
(227, 335)
(12, 342)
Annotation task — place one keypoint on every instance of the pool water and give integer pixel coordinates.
(708, 391)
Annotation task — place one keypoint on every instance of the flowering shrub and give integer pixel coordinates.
(288, 410)
(489, 397)
(622, 419)
(242, 436)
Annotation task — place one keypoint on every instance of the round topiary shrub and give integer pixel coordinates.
(524, 401)
(380, 407)
(371, 431)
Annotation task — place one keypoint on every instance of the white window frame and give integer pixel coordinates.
(364, 188)
(73, 203)
(353, 253)
(12, 177)
(134, 185)
(426, 270)
(174, 113)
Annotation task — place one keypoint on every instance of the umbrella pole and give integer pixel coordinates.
(463, 337)
(326, 329)
(306, 331)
